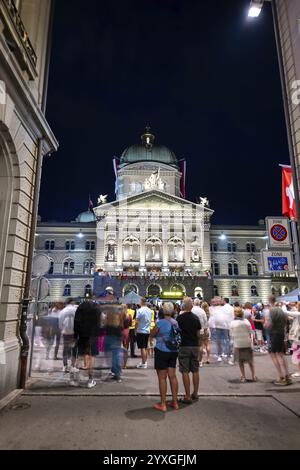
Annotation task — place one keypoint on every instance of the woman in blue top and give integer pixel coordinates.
(165, 359)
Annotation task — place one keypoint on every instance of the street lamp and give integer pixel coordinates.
(255, 8)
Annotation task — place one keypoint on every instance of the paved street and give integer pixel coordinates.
(229, 415)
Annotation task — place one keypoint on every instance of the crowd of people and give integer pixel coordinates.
(192, 334)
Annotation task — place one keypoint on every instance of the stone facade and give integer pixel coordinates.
(25, 137)
(288, 13)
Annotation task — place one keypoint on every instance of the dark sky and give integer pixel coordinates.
(205, 78)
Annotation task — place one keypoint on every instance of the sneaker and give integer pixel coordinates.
(231, 363)
(112, 374)
(281, 382)
(66, 369)
(288, 381)
(201, 364)
(142, 366)
(73, 383)
(91, 383)
(296, 375)
(74, 370)
(219, 359)
(117, 379)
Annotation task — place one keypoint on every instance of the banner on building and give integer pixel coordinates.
(288, 193)
(277, 261)
(278, 231)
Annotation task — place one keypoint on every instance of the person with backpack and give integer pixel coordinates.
(167, 337)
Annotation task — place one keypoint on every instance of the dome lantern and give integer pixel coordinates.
(148, 138)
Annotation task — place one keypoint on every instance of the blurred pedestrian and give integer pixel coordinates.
(241, 333)
(165, 357)
(142, 329)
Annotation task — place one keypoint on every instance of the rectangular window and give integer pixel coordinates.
(52, 244)
(67, 245)
(72, 245)
(87, 245)
(93, 245)
(47, 245)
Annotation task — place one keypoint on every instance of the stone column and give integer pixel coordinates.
(165, 237)
(142, 247)
(120, 247)
(187, 245)
(100, 246)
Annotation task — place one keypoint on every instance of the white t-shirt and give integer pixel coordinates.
(241, 332)
(201, 315)
(220, 318)
(66, 319)
(144, 317)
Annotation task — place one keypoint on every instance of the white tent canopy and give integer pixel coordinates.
(292, 296)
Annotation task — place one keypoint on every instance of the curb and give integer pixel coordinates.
(136, 394)
(10, 397)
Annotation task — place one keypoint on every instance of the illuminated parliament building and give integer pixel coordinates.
(153, 241)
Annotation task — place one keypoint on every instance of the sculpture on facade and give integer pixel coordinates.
(154, 182)
(204, 202)
(102, 199)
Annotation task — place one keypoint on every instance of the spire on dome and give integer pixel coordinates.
(148, 138)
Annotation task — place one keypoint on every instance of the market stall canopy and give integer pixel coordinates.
(131, 298)
(292, 296)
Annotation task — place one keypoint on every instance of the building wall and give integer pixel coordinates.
(289, 29)
(22, 127)
(264, 283)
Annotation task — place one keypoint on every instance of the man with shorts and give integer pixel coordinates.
(87, 331)
(188, 356)
(142, 330)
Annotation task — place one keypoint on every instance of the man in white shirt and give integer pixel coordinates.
(221, 320)
(66, 325)
(142, 331)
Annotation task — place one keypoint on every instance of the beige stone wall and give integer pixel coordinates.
(289, 28)
(22, 127)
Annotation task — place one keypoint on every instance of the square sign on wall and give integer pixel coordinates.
(278, 230)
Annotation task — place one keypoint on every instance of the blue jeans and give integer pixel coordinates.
(223, 341)
(112, 344)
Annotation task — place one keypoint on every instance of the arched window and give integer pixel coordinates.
(88, 267)
(88, 245)
(111, 250)
(234, 291)
(215, 268)
(179, 288)
(233, 268)
(176, 249)
(254, 292)
(51, 269)
(67, 290)
(153, 249)
(250, 247)
(93, 245)
(252, 268)
(72, 245)
(69, 267)
(88, 290)
(154, 290)
(216, 291)
(284, 290)
(130, 288)
(131, 249)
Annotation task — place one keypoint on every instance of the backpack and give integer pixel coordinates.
(127, 322)
(174, 341)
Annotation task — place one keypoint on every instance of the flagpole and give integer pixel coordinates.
(295, 241)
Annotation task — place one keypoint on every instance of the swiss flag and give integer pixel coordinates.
(288, 193)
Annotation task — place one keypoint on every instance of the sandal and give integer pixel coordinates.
(255, 379)
(195, 397)
(243, 380)
(173, 404)
(185, 401)
(160, 407)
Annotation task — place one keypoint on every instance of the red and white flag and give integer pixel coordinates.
(288, 193)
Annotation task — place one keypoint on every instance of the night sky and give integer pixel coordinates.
(199, 72)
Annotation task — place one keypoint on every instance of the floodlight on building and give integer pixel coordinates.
(255, 8)
(80, 234)
(222, 236)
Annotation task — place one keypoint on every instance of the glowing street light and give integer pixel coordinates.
(255, 8)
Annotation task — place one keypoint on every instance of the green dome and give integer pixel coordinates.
(86, 217)
(156, 153)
